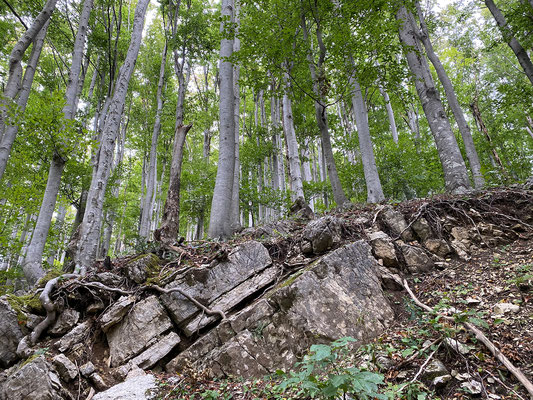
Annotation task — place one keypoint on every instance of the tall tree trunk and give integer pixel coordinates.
(455, 174)
(9, 132)
(235, 201)
(464, 129)
(519, 51)
(483, 129)
(373, 183)
(90, 227)
(296, 182)
(219, 222)
(319, 89)
(147, 209)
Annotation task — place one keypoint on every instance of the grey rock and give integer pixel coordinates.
(142, 327)
(108, 279)
(422, 229)
(456, 346)
(441, 381)
(320, 235)
(271, 230)
(65, 322)
(383, 248)
(98, 382)
(338, 295)
(10, 334)
(438, 246)
(116, 312)
(87, 369)
(139, 268)
(416, 259)
(434, 369)
(65, 368)
(504, 308)
(461, 234)
(135, 388)
(75, 336)
(473, 387)
(156, 352)
(33, 321)
(208, 284)
(33, 381)
(397, 225)
(460, 249)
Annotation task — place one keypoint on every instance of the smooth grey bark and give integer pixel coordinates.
(455, 173)
(148, 206)
(321, 112)
(453, 102)
(278, 157)
(530, 123)
(235, 202)
(8, 132)
(390, 115)
(519, 51)
(373, 184)
(90, 227)
(412, 121)
(296, 182)
(32, 268)
(220, 219)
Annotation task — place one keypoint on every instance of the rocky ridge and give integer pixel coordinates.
(249, 307)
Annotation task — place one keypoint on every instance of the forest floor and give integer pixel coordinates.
(495, 274)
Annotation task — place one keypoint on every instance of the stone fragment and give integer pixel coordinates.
(461, 250)
(438, 247)
(10, 334)
(504, 308)
(146, 321)
(416, 259)
(321, 235)
(156, 352)
(66, 368)
(65, 322)
(473, 387)
(441, 381)
(461, 234)
(108, 279)
(87, 369)
(75, 336)
(207, 284)
(33, 320)
(434, 369)
(33, 381)
(456, 346)
(135, 388)
(422, 229)
(98, 382)
(116, 312)
(139, 269)
(397, 225)
(383, 248)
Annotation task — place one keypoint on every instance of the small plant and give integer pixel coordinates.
(321, 375)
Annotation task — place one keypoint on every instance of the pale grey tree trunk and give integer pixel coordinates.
(390, 115)
(412, 121)
(220, 220)
(455, 174)
(9, 132)
(296, 182)
(24, 238)
(90, 227)
(321, 113)
(235, 201)
(278, 158)
(519, 51)
(464, 129)
(373, 184)
(147, 208)
(33, 263)
(530, 123)
(56, 248)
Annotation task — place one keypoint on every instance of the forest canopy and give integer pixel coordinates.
(126, 124)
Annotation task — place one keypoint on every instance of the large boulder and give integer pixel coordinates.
(33, 381)
(141, 328)
(248, 268)
(338, 295)
(10, 334)
(321, 235)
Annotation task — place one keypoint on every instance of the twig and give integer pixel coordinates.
(424, 365)
(504, 385)
(417, 354)
(482, 338)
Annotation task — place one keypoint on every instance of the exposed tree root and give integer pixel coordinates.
(479, 336)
